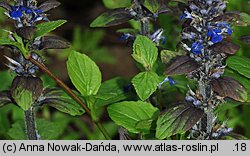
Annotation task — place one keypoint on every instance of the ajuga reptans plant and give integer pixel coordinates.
(201, 55)
(27, 43)
(146, 43)
(206, 37)
(138, 105)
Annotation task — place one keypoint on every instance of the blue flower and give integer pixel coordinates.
(126, 36)
(167, 79)
(224, 25)
(186, 15)
(158, 36)
(17, 13)
(171, 81)
(215, 35)
(197, 48)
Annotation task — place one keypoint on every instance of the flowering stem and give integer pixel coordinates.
(205, 91)
(70, 93)
(145, 27)
(143, 20)
(30, 124)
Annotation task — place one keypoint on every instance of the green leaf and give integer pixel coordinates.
(84, 73)
(26, 90)
(145, 84)
(112, 91)
(146, 126)
(46, 27)
(145, 52)
(113, 4)
(61, 101)
(177, 120)
(152, 5)
(129, 113)
(46, 129)
(25, 100)
(245, 17)
(240, 64)
(17, 131)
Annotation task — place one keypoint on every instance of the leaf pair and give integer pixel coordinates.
(145, 52)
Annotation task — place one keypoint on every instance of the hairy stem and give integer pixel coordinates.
(71, 94)
(205, 91)
(143, 20)
(30, 124)
(145, 27)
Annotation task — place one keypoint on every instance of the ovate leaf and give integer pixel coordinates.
(181, 65)
(240, 64)
(128, 114)
(26, 90)
(84, 73)
(46, 130)
(46, 27)
(112, 18)
(177, 120)
(229, 87)
(145, 52)
(152, 5)
(145, 84)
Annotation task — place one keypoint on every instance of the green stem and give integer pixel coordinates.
(30, 124)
